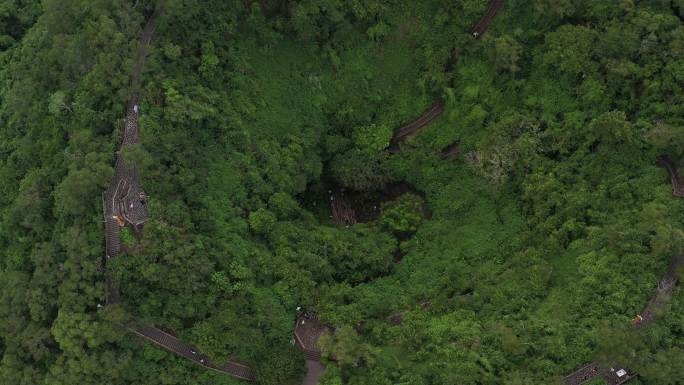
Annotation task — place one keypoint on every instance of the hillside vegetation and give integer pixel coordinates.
(515, 261)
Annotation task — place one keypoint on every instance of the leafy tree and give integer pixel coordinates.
(359, 171)
(347, 348)
(570, 49)
(507, 54)
(262, 221)
(403, 215)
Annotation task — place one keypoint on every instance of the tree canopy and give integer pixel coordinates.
(514, 262)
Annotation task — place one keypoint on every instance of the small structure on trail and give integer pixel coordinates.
(612, 376)
(617, 376)
(119, 220)
(307, 332)
(129, 202)
(134, 206)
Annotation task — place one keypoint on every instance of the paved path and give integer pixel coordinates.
(175, 345)
(314, 371)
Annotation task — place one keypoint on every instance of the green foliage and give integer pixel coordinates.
(282, 365)
(127, 237)
(507, 52)
(360, 171)
(15, 18)
(284, 206)
(403, 215)
(372, 139)
(570, 49)
(546, 236)
(58, 104)
(262, 221)
(347, 348)
(77, 193)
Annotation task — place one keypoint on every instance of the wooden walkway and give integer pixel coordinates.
(611, 376)
(180, 348)
(437, 108)
(480, 28)
(677, 186)
(411, 128)
(124, 203)
(307, 331)
(664, 291)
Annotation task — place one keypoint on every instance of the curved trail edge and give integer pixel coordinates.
(664, 291)
(124, 204)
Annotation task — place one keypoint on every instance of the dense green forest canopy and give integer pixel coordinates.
(514, 262)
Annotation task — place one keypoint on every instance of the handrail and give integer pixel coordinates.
(127, 175)
(180, 348)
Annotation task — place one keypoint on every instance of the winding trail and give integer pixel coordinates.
(125, 205)
(409, 129)
(437, 108)
(480, 28)
(175, 345)
(307, 332)
(677, 188)
(664, 291)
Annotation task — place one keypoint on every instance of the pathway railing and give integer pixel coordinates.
(126, 175)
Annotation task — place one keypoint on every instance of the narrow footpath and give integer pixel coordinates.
(125, 205)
